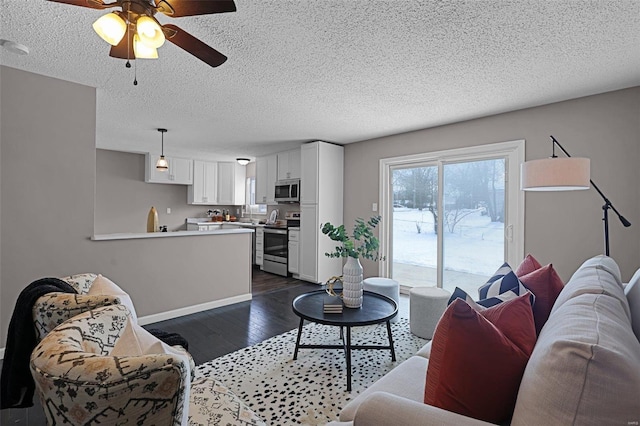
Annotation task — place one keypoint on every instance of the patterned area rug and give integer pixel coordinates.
(312, 389)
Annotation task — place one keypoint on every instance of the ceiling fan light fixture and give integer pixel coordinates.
(142, 51)
(150, 32)
(243, 161)
(111, 28)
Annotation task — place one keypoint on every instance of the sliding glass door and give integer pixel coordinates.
(452, 216)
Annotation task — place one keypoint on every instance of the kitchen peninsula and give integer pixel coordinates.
(171, 274)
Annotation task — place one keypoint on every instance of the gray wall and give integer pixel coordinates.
(123, 199)
(48, 175)
(563, 228)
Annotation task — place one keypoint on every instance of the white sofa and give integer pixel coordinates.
(584, 369)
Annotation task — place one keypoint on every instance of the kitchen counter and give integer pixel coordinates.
(130, 236)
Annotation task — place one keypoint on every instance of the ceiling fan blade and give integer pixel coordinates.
(93, 4)
(194, 46)
(124, 49)
(179, 8)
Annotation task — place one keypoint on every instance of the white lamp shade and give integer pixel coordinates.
(162, 164)
(556, 174)
(243, 161)
(150, 32)
(142, 51)
(111, 27)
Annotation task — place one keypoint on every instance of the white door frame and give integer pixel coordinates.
(512, 151)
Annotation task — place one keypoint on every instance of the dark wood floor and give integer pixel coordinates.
(219, 331)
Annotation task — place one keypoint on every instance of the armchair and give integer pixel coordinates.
(80, 382)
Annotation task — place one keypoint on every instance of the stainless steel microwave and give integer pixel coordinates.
(288, 191)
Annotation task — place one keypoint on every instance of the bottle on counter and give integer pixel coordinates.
(226, 215)
(152, 220)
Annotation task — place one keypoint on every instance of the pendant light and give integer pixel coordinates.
(162, 164)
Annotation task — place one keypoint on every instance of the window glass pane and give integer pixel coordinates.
(473, 222)
(415, 239)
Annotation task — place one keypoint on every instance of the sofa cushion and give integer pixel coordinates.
(546, 284)
(597, 275)
(406, 380)
(478, 358)
(528, 265)
(104, 286)
(585, 368)
(503, 285)
(632, 291)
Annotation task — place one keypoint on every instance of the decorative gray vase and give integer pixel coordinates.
(352, 287)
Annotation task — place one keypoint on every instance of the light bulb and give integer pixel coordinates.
(143, 51)
(150, 32)
(111, 27)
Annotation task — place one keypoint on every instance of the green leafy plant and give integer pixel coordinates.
(361, 243)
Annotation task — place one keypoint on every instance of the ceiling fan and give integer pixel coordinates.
(134, 33)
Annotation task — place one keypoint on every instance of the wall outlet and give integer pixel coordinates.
(374, 207)
(168, 210)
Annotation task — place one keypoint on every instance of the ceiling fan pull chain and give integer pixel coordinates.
(135, 73)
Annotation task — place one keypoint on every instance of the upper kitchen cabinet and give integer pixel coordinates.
(289, 164)
(180, 171)
(231, 183)
(205, 183)
(266, 176)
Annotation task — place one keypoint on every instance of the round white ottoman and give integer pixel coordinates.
(386, 287)
(426, 306)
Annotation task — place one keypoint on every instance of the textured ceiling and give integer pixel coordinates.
(333, 70)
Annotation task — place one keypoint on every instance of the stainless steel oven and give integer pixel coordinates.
(276, 254)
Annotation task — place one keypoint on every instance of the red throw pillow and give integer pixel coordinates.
(478, 358)
(529, 264)
(546, 285)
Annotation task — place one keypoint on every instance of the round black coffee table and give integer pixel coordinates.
(375, 309)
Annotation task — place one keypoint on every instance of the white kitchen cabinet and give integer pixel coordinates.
(259, 246)
(231, 183)
(204, 189)
(321, 201)
(179, 173)
(266, 175)
(294, 255)
(289, 164)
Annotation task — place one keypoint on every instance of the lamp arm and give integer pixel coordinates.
(607, 203)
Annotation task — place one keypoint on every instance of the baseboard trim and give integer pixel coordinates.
(162, 316)
(175, 313)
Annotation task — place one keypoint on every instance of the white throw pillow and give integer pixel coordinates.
(135, 340)
(632, 291)
(103, 285)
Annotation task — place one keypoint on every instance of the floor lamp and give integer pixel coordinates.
(566, 174)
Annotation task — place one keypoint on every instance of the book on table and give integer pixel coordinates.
(332, 305)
